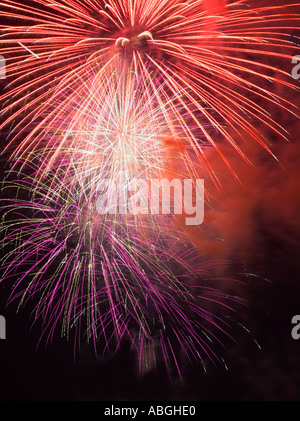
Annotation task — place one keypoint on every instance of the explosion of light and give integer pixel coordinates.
(99, 89)
(120, 276)
(109, 279)
(197, 54)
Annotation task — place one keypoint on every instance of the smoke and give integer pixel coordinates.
(263, 198)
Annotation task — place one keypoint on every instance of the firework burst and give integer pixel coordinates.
(97, 90)
(108, 279)
(195, 55)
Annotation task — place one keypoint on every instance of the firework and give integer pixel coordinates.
(196, 55)
(105, 90)
(107, 279)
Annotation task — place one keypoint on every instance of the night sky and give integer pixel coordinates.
(261, 230)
